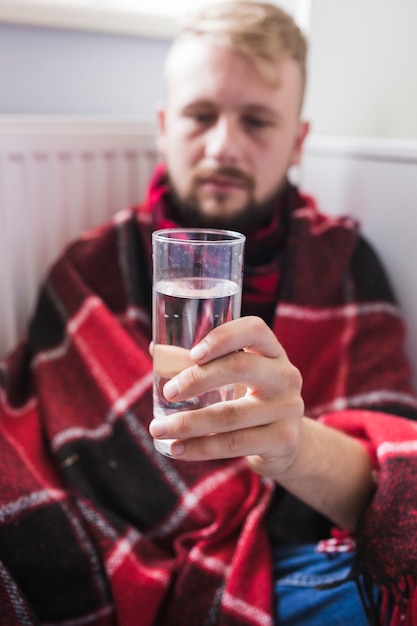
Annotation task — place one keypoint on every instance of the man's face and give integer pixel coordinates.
(228, 137)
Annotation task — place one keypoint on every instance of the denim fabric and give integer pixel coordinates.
(297, 571)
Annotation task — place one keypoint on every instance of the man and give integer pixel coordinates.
(96, 526)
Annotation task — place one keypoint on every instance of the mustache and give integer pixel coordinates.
(227, 171)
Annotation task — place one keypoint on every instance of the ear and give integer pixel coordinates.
(303, 130)
(161, 126)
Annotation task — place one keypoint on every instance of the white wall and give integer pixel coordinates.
(51, 71)
(375, 181)
(363, 57)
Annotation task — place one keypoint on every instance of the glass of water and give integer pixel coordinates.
(197, 285)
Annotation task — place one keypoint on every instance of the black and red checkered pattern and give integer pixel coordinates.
(98, 528)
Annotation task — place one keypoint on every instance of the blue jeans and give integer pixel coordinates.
(297, 571)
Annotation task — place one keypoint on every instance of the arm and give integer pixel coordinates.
(331, 473)
(326, 469)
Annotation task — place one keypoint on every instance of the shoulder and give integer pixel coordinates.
(328, 258)
(319, 239)
(308, 216)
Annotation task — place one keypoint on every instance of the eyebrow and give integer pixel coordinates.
(258, 109)
(195, 104)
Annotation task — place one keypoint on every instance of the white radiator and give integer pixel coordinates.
(59, 177)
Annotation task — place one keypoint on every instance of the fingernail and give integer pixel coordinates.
(199, 351)
(171, 388)
(158, 427)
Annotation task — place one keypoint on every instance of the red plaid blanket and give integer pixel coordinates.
(98, 528)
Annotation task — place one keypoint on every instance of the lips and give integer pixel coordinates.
(226, 179)
(222, 183)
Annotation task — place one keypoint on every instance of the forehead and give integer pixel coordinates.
(198, 69)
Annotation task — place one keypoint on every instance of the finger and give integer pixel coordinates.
(226, 417)
(246, 333)
(266, 378)
(259, 441)
(218, 417)
(170, 360)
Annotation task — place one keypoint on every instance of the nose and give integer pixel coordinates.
(224, 141)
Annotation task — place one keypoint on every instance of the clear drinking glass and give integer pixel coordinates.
(197, 285)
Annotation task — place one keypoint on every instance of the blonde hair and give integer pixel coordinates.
(260, 30)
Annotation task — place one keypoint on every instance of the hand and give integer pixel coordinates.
(325, 468)
(263, 424)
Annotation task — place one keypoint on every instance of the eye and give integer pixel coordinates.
(204, 118)
(200, 117)
(255, 122)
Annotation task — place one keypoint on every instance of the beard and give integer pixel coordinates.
(190, 214)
